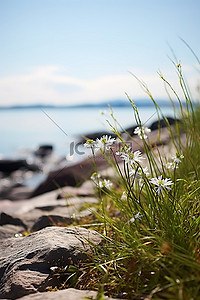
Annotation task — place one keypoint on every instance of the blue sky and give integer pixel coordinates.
(74, 51)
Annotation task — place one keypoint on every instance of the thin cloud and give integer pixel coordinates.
(51, 85)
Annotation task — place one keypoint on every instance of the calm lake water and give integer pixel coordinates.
(28, 128)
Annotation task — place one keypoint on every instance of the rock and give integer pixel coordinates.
(10, 165)
(36, 216)
(67, 294)
(69, 176)
(44, 150)
(59, 215)
(8, 231)
(52, 203)
(25, 206)
(16, 193)
(85, 190)
(25, 262)
(154, 126)
(60, 218)
(7, 219)
(46, 210)
(95, 135)
(51, 220)
(9, 206)
(162, 124)
(129, 130)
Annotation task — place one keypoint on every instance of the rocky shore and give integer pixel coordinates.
(39, 243)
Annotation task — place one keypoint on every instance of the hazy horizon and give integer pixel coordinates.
(104, 104)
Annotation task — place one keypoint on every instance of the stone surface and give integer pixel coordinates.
(50, 220)
(15, 193)
(8, 231)
(25, 261)
(86, 189)
(33, 216)
(7, 219)
(57, 216)
(161, 123)
(73, 175)
(24, 206)
(10, 165)
(43, 151)
(19, 193)
(33, 213)
(68, 294)
(62, 213)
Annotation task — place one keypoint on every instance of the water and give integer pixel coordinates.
(23, 130)
(28, 128)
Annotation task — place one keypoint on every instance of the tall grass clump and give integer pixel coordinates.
(150, 209)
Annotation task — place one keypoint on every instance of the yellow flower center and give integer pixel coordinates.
(160, 182)
(89, 141)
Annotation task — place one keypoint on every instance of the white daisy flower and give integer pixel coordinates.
(124, 149)
(171, 165)
(132, 157)
(142, 131)
(89, 144)
(106, 183)
(161, 183)
(137, 216)
(177, 158)
(96, 178)
(104, 143)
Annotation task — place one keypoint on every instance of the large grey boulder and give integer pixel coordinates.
(68, 294)
(25, 262)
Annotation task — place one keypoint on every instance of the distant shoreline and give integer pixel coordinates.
(113, 103)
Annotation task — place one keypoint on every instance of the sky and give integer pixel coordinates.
(75, 51)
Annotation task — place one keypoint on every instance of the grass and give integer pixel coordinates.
(149, 224)
(151, 239)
